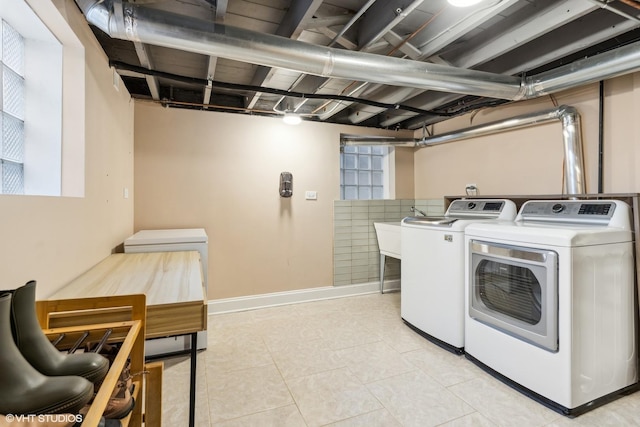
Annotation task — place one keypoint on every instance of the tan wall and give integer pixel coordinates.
(405, 185)
(622, 135)
(530, 160)
(54, 239)
(221, 172)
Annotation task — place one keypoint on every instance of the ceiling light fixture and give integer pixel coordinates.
(463, 3)
(291, 119)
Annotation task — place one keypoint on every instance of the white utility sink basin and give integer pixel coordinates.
(388, 234)
(388, 238)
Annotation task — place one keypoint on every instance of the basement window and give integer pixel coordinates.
(41, 102)
(365, 172)
(12, 110)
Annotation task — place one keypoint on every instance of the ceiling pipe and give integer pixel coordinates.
(614, 63)
(571, 136)
(137, 71)
(138, 23)
(376, 140)
(601, 138)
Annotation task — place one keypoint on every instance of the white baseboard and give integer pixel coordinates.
(229, 305)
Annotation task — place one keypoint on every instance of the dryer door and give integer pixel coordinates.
(515, 289)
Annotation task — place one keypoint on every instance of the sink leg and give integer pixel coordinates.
(382, 262)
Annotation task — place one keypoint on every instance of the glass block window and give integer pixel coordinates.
(12, 97)
(362, 172)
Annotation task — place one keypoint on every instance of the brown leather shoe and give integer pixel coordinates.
(121, 402)
(126, 378)
(104, 422)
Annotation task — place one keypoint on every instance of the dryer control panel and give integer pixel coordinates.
(596, 212)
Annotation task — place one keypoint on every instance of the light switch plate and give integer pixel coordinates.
(311, 195)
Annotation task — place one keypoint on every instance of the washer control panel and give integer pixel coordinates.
(466, 206)
(482, 208)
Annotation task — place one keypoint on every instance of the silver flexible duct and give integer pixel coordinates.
(146, 25)
(571, 136)
(607, 65)
(376, 140)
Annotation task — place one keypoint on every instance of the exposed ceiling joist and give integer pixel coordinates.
(143, 57)
(291, 27)
(212, 61)
(381, 18)
(510, 40)
(399, 43)
(534, 21)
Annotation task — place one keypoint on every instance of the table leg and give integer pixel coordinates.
(192, 391)
(382, 262)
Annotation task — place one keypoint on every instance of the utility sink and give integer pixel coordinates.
(388, 234)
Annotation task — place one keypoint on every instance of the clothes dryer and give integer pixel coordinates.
(432, 268)
(550, 303)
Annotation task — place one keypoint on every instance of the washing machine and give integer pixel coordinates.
(550, 305)
(432, 268)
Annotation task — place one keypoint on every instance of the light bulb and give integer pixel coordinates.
(291, 119)
(463, 3)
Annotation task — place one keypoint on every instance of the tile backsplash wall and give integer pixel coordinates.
(356, 257)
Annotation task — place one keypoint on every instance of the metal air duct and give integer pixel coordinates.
(146, 25)
(571, 136)
(614, 63)
(138, 23)
(376, 140)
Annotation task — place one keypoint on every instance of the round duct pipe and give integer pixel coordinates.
(571, 137)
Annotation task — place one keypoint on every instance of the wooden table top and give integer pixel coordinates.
(164, 277)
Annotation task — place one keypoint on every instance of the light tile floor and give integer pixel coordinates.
(348, 362)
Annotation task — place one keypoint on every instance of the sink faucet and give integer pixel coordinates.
(414, 210)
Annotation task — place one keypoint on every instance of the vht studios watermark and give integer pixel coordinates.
(44, 418)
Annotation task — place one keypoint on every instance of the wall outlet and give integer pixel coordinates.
(471, 189)
(311, 195)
